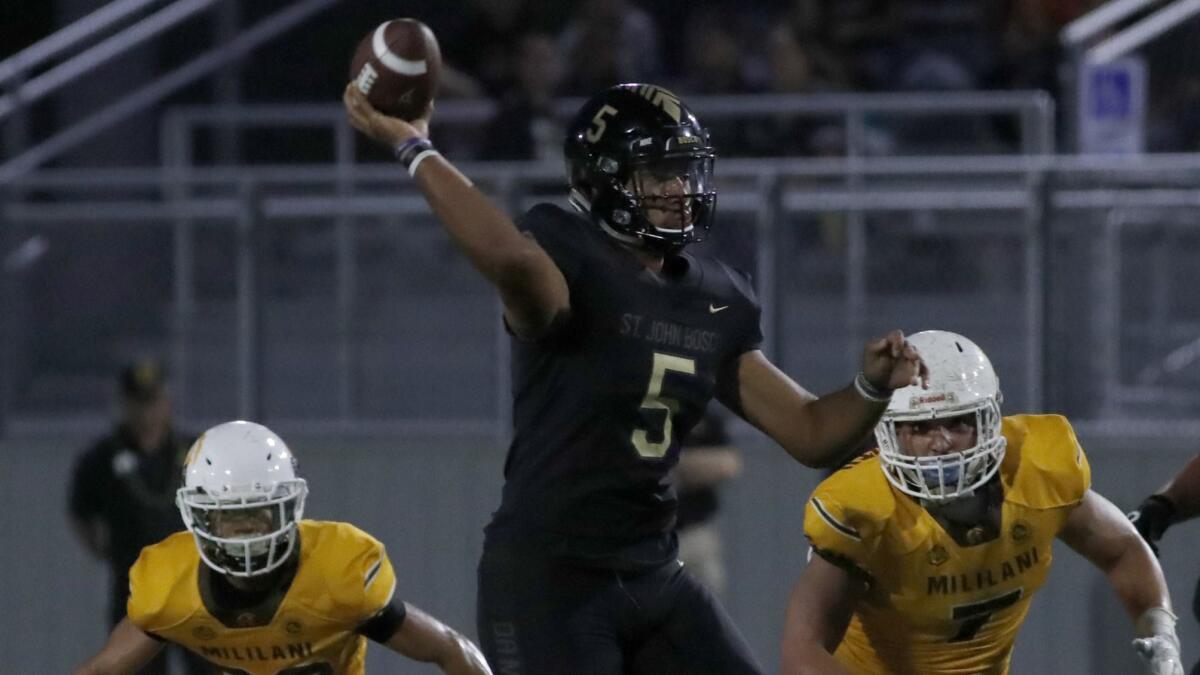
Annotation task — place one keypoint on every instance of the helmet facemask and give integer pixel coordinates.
(245, 533)
(673, 199)
(948, 476)
(660, 204)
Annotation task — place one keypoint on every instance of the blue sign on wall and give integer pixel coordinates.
(1112, 106)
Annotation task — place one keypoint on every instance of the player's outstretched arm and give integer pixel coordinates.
(820, 431)
(1184, 491)
(818, 612)
(128, 649)
(423, 638)
(531, 286)
(1098, 531)
(1175, 502)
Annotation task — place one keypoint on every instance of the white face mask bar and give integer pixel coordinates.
(245, 556)
(947, 476)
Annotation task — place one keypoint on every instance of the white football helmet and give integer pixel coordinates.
(961, 381)
(242, 471)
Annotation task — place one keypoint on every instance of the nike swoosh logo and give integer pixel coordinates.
(713, 309)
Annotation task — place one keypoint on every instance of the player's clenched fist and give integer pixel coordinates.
(1160, 655)
(890, 362)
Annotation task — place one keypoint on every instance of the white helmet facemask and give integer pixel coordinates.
(961, 382)
(241, 499)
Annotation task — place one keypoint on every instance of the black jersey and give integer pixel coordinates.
(602, 400)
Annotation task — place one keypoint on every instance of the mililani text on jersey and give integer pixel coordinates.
(966, 583)
(292, 650)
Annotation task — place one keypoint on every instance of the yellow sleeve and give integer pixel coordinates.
(842, 530)
(359, 570)
(139, 607)
(151, 580)
(1054, 469)
(378, 579)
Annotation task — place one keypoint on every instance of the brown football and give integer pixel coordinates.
(397, 66)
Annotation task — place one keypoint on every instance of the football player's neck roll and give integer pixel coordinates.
(640, 165)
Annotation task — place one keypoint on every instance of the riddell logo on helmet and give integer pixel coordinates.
(930, 399)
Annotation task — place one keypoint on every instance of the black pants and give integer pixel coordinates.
(541, 616)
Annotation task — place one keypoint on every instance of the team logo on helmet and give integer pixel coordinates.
(662, 98)
(940, 398)
(194, 452)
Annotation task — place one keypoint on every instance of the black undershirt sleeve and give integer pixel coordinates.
(838, 560)
(381, 627)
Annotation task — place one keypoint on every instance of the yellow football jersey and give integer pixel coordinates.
(343, 578)
(934, 607)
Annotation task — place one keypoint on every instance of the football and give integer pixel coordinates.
(397, 66)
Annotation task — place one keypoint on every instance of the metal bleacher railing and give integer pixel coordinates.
(819, 300)
(298, 251)
(21, 88)
(244, 198)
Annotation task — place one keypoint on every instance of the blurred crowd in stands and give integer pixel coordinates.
(524, 53)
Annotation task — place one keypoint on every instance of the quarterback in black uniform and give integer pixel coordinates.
(621, 340)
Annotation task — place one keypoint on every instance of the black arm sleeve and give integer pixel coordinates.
(837, 560)
(381, 627)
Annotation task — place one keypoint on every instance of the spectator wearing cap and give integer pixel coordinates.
(122, 494)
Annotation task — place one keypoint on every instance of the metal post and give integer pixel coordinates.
(1105, 367)
(1037, 240)
(1070, 78)
(769, 246)
(226, 85)
(1160, 286)
(177, 157)
(856, 245)
(247, 305)
(1037, 127)
(16, 136)
(16, 132)
(347, 275)
(8, 316)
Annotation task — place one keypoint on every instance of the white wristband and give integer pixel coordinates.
(416, 161)
(1157, 621)
(869, 391)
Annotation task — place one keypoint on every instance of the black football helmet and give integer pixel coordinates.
(640, 163)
